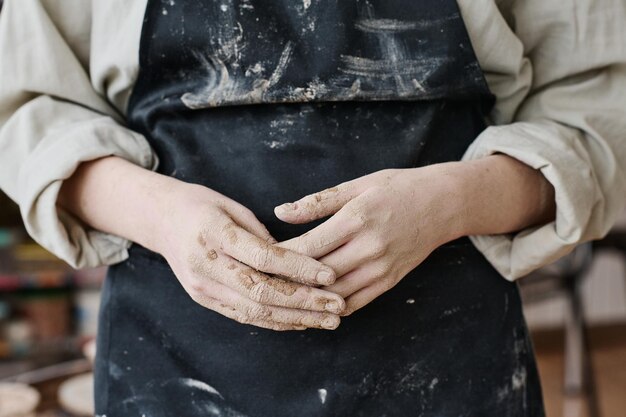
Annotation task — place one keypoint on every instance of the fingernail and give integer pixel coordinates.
(332, 306)
(330, 323)
(324, 277)
(287, 207)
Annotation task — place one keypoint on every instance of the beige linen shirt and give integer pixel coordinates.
(557, 68)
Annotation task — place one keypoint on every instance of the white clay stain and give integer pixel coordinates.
(518, 379)
(192, 383)
(322, 393)
(396, 71)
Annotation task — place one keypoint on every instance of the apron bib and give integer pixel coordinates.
(265, 102)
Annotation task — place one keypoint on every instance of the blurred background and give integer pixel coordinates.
(48, 319)
(576, 310)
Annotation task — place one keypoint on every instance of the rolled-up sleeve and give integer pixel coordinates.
(51, 120)
(571, 126)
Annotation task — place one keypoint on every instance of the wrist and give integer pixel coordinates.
(437, 193)
(155, 207)
(115, 196)
(499, 194)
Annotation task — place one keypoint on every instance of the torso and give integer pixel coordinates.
(266, 102)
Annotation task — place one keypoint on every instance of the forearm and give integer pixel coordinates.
(118, 197)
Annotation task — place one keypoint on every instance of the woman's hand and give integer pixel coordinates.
(385, 224)
(221, 254)
(223, 257)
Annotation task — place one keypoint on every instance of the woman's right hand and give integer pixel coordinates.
(222, 255)
(226, 261)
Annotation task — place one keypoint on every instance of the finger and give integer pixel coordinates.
(318, 205)
(299, 318)
(232, 304)
(352, 255)
(261, 288)
(247, 311)
(248, 221)
(260, 255)
(228, 298)
(365, 296)
(278, 292)
(352, 282)
(232, 313)
(328, 236)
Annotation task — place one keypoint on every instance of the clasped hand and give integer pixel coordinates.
(383, 225)
(380, 229)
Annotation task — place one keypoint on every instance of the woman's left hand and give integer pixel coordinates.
(383, 225)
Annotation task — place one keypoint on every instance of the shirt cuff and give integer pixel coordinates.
(558, 152)
(55, 159)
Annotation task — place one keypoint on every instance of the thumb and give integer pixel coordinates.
(318, 205)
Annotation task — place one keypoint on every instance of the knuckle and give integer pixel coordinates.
(246, 212)
(305, 203)
(308, 321)
(262, 258)
(303, 245)
(243, 318)
(301, 268)
(355, 217)
(227, 234)
(304, 303)
(301, 320)
(197, 289)
(260, 293)
(258, 312)
(347, 311)
(383, 269)
(388, 282)
(309, 203)
(222, 206)
(378, 248)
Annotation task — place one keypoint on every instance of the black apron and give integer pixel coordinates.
(265, 102)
